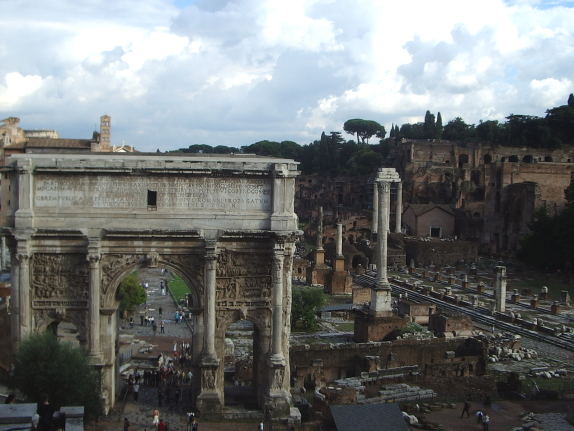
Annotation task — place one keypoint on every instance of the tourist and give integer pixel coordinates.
(162, 327)
(260, 427)
(194, 425)
(485, 422)
(154, 329)
(479, 416)
(159, 397)
(46, 413)
(141, 319)
(126, 424)
(156, 417)
(161, 425)
(466, 409)
(136, 391)
(160, 311)
(190, 419)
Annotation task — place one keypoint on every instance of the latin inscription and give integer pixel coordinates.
(181, 193)
(70, 303)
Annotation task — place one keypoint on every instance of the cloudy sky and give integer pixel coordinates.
(173, 73)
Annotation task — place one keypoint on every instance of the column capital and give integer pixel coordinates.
(384, 186)
(399, 185)
(93, 259)
(23, 258)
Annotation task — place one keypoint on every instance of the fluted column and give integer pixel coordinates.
(15, 297)
(95, 347)
(320, 230)
(339, 250)
(209, 314)
(24, 288)
(276, 345)
(384, 193)
(375, 227)
(399, 207)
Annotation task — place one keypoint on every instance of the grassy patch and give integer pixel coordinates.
(345, 327)
(178, 288)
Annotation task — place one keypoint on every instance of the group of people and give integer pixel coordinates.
(178, 316)
(482, 418)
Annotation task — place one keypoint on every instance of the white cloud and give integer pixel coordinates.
(233, 72)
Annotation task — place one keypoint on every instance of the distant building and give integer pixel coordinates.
(429, 220)
(15, 140)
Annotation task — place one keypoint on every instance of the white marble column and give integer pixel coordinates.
(277, 334)
(399, 213)
(500, 304)
(339, 250)
(24, 288)
(95, 347)
(320, 230)
(209, 309)
(383, 222)
(375, 227)
(15, 297)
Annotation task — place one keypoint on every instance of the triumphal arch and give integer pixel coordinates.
(78, 224)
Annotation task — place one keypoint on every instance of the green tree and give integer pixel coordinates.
(429, 127)
(458, 130)
(133, 294)
(45, 365)
(364, 129)
(305, 304)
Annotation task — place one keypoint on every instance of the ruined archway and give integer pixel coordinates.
(81, 223)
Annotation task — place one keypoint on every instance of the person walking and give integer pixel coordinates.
(160, 311)
(126, 424)
(136, 392)
(161, 425)
(485, 422)
(466, 409)
(161, 327)
(479, 416)
(156, 417)
(194, 425)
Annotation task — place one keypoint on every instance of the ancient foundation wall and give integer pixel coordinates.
(440, 252)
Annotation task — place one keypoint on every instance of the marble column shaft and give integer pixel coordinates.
(339, 250)
(399, 213)
(209, 314)
(24, 288)
(320, 229)
(276, 347)
(375, 227)
(384, 189)
(95, 348)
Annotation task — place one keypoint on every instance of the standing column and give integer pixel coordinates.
(15, 298)
(375, 226)
(399, 207)
(24, 288)
(3, 253)
(500, 304)
(339, 240)
(95, 348)
(209, 313)
(320, 230)
(276, 347)
(384, 193)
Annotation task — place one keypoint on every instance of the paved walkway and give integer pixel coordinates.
(161, 342)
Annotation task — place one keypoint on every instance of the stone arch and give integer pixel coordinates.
(528, 158)
(261, 320)
(79, 318)
(116, 273)
(513, 158)
(462, 159)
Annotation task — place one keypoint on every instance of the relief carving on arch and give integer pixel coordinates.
(243, 280)
(112, 264)
(60, 276)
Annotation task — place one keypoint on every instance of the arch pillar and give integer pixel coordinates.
(93, 257)
(210, 399)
